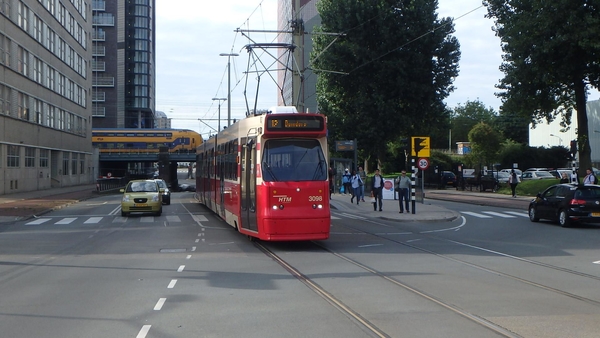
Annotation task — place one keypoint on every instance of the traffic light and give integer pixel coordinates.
(419, 143)
(573, 149)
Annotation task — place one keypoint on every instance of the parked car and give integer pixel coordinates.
(537, 169)
(501, 176)
(536, 175)
(567, 203)
(141, 196)
(166, 195)
(483, 182)
(558, 173)
(508, 171)
(448, 178)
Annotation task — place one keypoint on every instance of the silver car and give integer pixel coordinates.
(537, 175)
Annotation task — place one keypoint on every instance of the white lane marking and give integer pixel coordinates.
(597, 262)
(160, 304)
(516, 213)
(369, 245)
(333, 217)
(413, 240)
(173, 219)
(144, 331)
(115, 210)
(67, 220)
(193, 248)
(200, 218)
(147, 219)
(93, 220)
(475, 214)
(181, 267)
(188, 257)
(172, 284)
(119, 219)
(498, 214)
(197, 240)
(38, 221)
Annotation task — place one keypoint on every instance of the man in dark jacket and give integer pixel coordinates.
(377, 189)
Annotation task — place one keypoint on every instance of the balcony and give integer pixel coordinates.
(103, 81)
(98, 112)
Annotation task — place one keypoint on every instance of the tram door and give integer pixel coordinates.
(248, 184)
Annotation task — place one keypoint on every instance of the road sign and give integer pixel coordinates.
(344, 146)
(423, 163)
(420, 146)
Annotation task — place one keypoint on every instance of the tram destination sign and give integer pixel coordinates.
(297, 122)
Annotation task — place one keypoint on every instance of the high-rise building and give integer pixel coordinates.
(45, 104)
(298, 16)
(162, 121)
(123, 63)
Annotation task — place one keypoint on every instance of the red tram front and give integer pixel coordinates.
(266, 176)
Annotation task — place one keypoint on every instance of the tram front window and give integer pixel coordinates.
(293, 160)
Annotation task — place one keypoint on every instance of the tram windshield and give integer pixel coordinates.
(293, 160)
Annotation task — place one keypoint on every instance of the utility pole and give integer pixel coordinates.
(229, 55)
(219, 123)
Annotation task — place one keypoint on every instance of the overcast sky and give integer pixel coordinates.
(190, 72)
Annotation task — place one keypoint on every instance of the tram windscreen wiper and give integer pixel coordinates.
(318, 171)
(267, 167)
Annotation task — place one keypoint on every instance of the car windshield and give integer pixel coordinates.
(161, 184)
(293, 160)
(142, 187)
(543, 174)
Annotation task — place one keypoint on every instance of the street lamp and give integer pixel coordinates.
(559, 139)
(220, 100)
(229, 55)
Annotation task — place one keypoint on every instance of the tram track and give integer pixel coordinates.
(374, 330)
(357, 317)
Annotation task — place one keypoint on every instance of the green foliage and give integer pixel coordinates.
(388, 75)
(529, 187)
(551, 59)
(485, 142)
(464, 118)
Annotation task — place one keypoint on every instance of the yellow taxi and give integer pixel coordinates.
(141, 196)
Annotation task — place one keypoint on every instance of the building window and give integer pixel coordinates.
(12, 156)
(22, 14)
(82, 164)
(65, 166)
(39, 115)
(23, 57)
(29, 157)
(23, 100)
(74, 160)
(44, 158)
(4, 50)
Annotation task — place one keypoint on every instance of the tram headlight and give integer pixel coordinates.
(280, 207)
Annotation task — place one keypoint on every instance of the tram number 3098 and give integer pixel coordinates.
(315, 198)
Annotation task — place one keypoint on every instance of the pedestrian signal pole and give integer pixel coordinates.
(419, 145)
(573, 151)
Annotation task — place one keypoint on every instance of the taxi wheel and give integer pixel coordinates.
(124, 214)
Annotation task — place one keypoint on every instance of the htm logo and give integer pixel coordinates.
(285, 199)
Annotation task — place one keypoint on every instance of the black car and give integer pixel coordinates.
(166, 198)
(567, 203)
(448, 178)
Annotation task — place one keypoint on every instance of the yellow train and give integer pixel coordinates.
(110, 140)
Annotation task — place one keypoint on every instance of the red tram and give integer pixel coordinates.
(266, 176)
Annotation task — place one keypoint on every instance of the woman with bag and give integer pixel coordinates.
(513, 180)
(356, 182)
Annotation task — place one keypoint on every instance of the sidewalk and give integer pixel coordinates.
(423, 211)
(19, 206)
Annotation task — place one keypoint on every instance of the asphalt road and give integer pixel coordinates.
(85, 271)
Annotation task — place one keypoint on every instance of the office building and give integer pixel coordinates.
(123, 63)
(45, 104)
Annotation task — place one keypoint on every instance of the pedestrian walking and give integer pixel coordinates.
(363, 177)
(356, 183)
(377, 189)
(346, 182)
(590, 178)
(513, 181)
(404, 184)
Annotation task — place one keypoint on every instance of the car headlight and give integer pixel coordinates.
(125, 198)
(155, 198)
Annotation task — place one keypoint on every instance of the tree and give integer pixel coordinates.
(551, 59)
(386, 78)
(466, 117)
(485, 142)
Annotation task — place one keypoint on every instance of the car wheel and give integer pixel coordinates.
(563, 219)
(532, 215)
(123, 213)
(159, 212)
